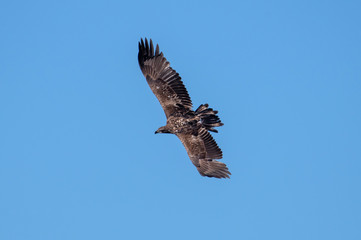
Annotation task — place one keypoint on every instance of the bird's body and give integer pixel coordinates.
(182, 125)
(191, 127)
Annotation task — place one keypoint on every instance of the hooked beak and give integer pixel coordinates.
(156, 132)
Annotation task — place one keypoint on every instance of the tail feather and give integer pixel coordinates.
(208, 117)
(213, 168)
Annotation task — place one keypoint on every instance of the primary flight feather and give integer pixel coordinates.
(191, 127)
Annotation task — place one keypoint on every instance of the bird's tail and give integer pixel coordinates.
(208, 117)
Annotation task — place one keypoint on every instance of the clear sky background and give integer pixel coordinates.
(78, 154)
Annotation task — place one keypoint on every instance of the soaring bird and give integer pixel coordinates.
(191, 127)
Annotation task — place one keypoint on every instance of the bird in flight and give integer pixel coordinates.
(191, 127)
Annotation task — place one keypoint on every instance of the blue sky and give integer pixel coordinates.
(78, 154)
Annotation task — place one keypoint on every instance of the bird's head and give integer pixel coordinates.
(162, 130)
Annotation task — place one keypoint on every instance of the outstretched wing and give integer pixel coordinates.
(165, 82)
(202, 150)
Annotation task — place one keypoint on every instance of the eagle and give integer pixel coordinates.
(191, 127)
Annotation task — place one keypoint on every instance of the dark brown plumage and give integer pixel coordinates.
(191, 127)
